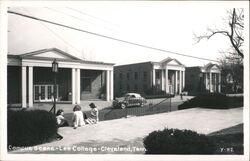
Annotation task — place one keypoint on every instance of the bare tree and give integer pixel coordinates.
(235, 21)
(232, 73)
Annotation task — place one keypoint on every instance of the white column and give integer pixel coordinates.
(205, 81)
(107, 85)
(162, 80)
(210, 81)
(73, 82)
(219, 81)
(111, 85)
(24, 83)
(166, 80)
(30, 86)
(153, 77)
(176, 79)
(215, 81)
(180, 83)
(183, 80)
(78, 86)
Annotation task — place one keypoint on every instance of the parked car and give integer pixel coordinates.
(128, 100)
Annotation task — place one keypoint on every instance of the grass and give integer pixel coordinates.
(213, 101)
(229, 140)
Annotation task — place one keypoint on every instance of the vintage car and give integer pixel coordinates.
(128, 100)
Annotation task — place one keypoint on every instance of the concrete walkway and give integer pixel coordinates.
(129, 132)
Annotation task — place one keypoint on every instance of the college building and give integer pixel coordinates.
(30, 78)
(149, 78)
(206, 79)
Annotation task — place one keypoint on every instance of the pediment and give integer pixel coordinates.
(173, 62)
(170, 61)
(215, 67)
(211, 66)
(50, 53)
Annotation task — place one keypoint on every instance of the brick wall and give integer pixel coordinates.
(139, 83)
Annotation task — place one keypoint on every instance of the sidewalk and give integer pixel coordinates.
(128, 132)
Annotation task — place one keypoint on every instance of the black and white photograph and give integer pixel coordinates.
(124, 80)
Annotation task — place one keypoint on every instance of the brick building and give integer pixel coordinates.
(203, 79)
(150, 77)
(30, 78)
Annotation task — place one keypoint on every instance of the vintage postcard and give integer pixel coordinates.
(124, 80)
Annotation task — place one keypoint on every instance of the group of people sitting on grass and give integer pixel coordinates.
(79, 118)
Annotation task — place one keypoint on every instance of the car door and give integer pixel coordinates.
(132, 100)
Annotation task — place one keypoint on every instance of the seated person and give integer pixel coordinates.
(61, 121)
(77, 118)
(93, 119)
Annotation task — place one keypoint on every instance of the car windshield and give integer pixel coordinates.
(132, 96)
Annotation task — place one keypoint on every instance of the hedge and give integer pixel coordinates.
(213, 100)
(174, 141)
(159, 96)
(30, 127)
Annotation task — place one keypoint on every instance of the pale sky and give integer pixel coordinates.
(165, 25)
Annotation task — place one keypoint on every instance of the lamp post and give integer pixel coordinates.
(54, 70)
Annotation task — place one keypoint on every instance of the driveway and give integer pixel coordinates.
(127, 133)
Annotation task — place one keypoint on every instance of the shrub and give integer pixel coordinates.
(30, 127)
(174, 141)
(213, 100)
(158, 96)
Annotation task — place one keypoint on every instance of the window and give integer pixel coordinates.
(120, 87)
(136, 88)
(145, 75)
(145, 88)
(128, 76)
(128, 88)
(136, 75)
(120, 75)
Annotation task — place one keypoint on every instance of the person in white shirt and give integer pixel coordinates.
(77, 118)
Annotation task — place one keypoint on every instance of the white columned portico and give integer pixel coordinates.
(73, 79)
(30, 86)
(162, 80)
(111, 85)
(176, 81)
(24, 87)
(107, 85)
(219, 82)
(78, 86)
(180, 83)
(210, 82)
(166, 80)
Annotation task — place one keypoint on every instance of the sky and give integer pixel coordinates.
(165, 25)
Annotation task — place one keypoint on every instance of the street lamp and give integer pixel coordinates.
(54, 70)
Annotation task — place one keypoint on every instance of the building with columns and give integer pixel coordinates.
(203, 79)
(147, 78)
(30, 78)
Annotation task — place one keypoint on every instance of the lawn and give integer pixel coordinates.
(229, 140)
(213, 101)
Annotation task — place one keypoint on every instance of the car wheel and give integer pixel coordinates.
(123, 105)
